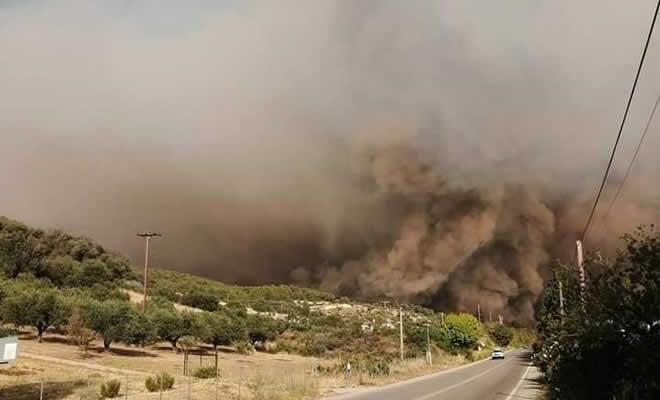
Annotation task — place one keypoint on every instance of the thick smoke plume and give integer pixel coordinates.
(432, 152)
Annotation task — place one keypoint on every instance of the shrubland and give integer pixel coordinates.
(52, 280)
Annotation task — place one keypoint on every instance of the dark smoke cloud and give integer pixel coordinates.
(433, 152)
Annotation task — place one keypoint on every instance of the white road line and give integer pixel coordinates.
(362, 392)
(522, 379)
(384, 388)
(455, 385)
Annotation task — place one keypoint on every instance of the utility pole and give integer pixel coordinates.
(428, 345)
(561, 299)
(501, 319)
(147, 237)
(580, 265)
(490, 316)
(479, 311)
(401, 330)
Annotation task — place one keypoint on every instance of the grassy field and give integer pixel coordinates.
(256, 376)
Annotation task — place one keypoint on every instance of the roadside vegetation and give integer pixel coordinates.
(606, 343)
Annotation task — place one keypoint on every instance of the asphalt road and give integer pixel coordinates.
(485, 380)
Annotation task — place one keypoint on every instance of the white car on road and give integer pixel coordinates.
(498, 354)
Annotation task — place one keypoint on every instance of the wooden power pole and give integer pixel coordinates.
(561, 299)
(428, 345)
(147, 237)
(401, 330)
(581, 274)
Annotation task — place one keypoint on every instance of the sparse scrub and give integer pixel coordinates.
(379, 367)
(162, 381)
(314, 349)
(205, 373)
(244, 348)
(80, 335)
(110, 389)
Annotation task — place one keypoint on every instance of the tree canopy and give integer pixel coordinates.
(607, 343)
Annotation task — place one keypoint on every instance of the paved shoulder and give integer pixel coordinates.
(488, 379)
(530, 385)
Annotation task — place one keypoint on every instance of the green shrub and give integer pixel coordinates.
(244, 348)
(314, 349)
(205, 373)
(110, 389)
(501, 335)
(162, 381)
(463, 331)
(378, 367)
(523, 337)
(200, 300)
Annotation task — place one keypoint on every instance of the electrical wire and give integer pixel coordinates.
(623, 122)
(632, 162)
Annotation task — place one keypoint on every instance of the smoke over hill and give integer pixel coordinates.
(436, 152)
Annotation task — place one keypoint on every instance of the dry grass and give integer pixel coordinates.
(23, 381)
(259, 376)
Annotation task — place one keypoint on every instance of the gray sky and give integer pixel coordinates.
(240, 129)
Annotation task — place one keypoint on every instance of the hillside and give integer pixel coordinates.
(63, 259)
(300, 320)
(69, 289)
(78, 279)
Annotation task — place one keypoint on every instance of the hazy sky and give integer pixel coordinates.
(281, 140)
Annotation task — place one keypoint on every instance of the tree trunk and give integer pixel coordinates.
(40, 332)
(106, 345)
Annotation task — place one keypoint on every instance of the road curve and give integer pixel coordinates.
(484, 380)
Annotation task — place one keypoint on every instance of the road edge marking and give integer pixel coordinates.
(461, 383)
(358, 392)
(522, 379)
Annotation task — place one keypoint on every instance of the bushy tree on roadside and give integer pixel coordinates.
(463, 331)
(606, 345)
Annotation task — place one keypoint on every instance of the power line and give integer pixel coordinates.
(623, 122)
(632, 162)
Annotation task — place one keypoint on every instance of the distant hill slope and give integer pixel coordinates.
(64, 259)
(195, 291)
(94, 285)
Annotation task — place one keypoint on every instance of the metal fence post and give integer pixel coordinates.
(41, 391)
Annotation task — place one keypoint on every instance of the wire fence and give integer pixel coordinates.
(250, 381)
(258, 385)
